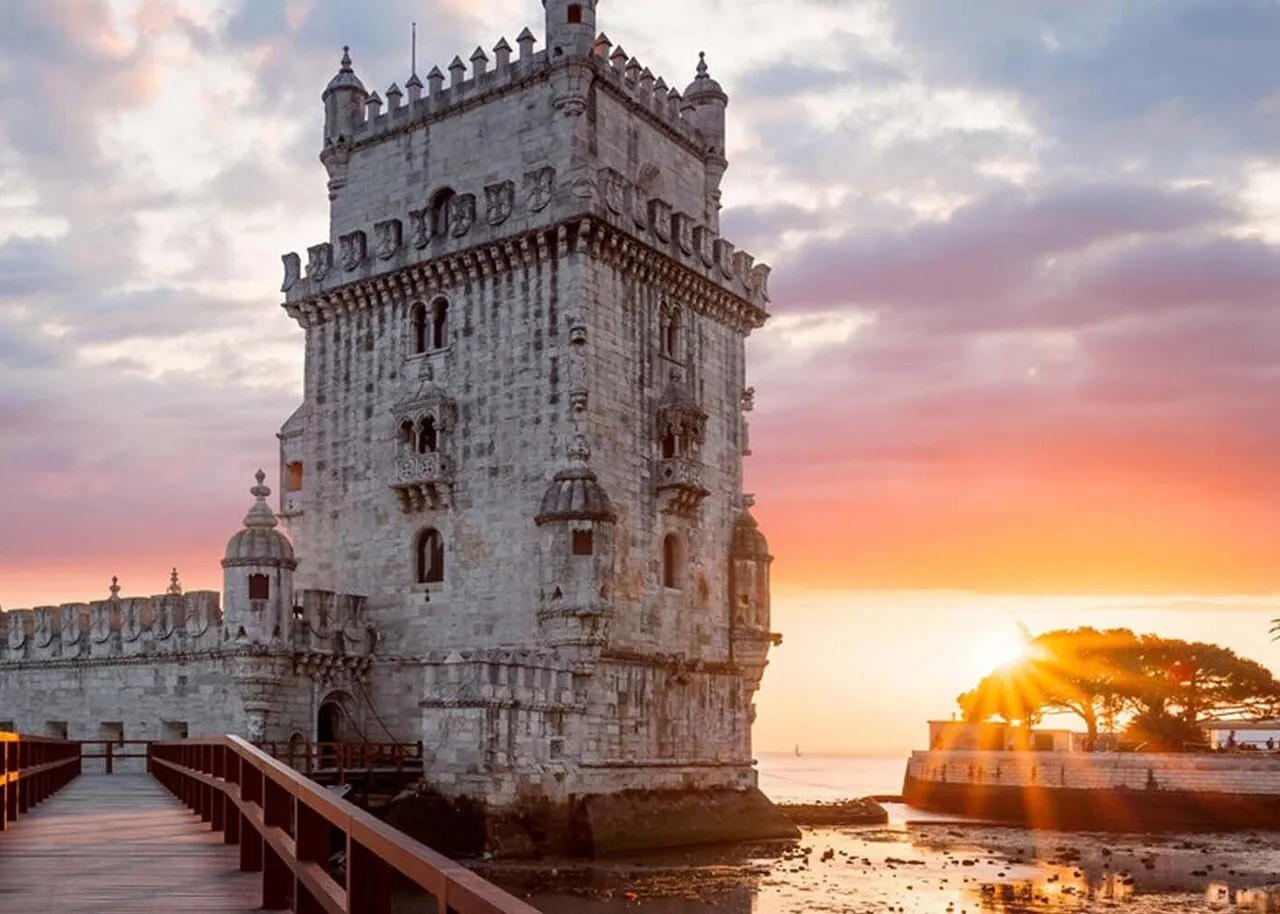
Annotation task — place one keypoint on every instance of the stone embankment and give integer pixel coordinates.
(1114, 791)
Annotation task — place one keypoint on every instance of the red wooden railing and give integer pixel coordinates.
(341, 759)
(32, 768)
(113, 750)
(283, 824)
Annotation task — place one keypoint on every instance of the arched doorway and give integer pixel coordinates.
(334, 725)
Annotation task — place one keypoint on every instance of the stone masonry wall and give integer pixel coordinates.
(1100, 770)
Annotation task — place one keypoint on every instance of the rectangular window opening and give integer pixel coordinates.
(174, 729)
(55, 729)
(293, 476)
(583, 542)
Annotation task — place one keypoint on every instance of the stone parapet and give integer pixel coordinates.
(119, 627)
(1100, 771)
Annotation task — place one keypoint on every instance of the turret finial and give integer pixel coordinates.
(346, 59)
(175, 588)
(260, 515)
(702, 65)
(115, 587)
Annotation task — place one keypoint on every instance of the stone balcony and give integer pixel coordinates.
(679, 486)
(423, 482)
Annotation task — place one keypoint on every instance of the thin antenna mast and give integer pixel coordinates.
(413, 51)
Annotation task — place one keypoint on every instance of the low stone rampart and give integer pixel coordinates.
(1107, 791)
(1101, 770)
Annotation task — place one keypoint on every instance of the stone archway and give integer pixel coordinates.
(334, 721)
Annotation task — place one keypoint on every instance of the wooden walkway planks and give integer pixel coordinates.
(119, 844)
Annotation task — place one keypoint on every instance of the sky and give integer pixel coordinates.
(1023, 364)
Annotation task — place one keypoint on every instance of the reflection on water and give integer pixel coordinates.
(941, 868)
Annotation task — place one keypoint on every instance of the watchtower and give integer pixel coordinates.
(523, 421)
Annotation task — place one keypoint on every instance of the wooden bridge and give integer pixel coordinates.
(213, 826)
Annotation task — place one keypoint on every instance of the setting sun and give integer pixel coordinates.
(994, 650)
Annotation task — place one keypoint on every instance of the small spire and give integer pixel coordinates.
(502, 54)
(175, 588)
(435, 81)
(703, 72)
(457, 71)
(260, 515)
(115, 587)
(346, 60)
(479, 61)
(394, 95)
(526, 41)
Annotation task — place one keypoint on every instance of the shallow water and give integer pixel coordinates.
(920, 863)
(934, 868)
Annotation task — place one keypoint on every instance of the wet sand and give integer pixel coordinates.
(909, 866)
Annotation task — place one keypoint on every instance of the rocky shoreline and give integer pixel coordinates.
(862, 811)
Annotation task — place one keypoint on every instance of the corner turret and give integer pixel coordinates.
(344, 110)
(705, 102)
(571, 27)
(257, 575)
(344, 100)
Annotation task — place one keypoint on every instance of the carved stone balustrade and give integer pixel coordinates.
(423, 482)
(680, 487)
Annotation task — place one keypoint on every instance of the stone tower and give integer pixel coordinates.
(522, 432)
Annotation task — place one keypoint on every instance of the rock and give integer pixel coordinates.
(865, 811)
(649, 819)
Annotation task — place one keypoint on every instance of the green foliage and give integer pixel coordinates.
(1163, 687)
(1158, 731)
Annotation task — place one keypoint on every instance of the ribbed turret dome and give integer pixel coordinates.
(703, 86)
(260, 543)
(575, 493)
(748, 541)
(346, 77)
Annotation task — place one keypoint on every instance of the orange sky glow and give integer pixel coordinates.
(1021, 368)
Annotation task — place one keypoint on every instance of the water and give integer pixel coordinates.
(786, 778)
(914, 865)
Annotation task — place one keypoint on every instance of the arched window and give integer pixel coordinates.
(441, 203)
(427, 437)
(439, 324)
(575, 13)
(670, 445)
(408, 436)
(418, 318)
(671, 338)
(259, 587)
(672, 562)
(430, 558)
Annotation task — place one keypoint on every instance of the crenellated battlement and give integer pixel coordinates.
(172, 622)
(179, 623)
(443, 96)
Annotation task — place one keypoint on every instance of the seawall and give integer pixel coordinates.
(1104, 791)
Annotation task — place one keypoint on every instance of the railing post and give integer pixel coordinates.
(231, 772)
(312, 842)
(250, 838)
(369, 881)
(107, 750)
(277, 875)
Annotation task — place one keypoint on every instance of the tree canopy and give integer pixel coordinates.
(1162, 688)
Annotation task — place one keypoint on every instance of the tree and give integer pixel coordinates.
(1079, 671)
(1163, 687)
(1194, 680)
